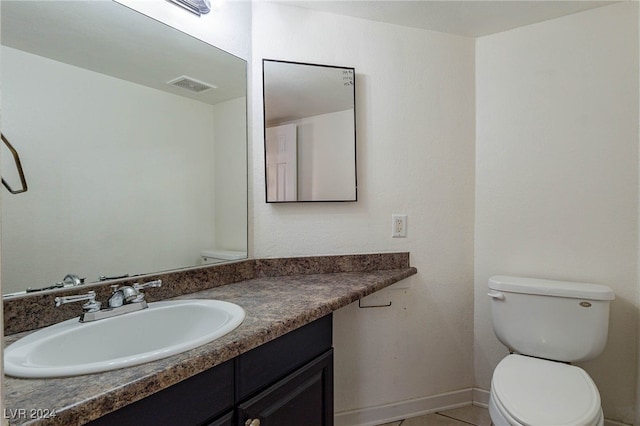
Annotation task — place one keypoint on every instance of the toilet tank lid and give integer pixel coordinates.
(224, 254)
(546, 287)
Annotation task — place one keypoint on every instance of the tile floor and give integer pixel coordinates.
(464, 416)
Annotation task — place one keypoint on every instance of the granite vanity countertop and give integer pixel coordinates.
(274, 306)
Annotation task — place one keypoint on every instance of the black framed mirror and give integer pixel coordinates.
(309, 132)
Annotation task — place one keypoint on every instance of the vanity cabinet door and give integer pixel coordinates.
(305, 397)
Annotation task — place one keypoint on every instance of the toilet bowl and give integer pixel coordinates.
(522, 385)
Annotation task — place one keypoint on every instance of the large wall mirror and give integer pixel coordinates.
(309, 128)
(132, 136)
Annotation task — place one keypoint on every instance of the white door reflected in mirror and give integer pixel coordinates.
(282, 163)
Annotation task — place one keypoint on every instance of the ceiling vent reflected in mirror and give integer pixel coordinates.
(191, 84)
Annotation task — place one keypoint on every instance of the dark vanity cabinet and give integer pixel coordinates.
(285, 382)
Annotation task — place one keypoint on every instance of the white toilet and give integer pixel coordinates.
(546, 325)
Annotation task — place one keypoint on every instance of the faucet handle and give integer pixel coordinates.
(137, 287)
(90, 306)
(156, 283)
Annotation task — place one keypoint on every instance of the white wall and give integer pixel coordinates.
(327, 170)
(415, 127)
(230, 167)
(557, 175)
(326, 163)
(91, 177)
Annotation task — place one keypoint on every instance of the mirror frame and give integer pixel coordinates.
(352, 82)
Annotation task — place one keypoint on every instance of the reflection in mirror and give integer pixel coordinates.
(132, 137)
(310, 137)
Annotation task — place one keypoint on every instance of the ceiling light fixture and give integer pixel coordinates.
(197, 7)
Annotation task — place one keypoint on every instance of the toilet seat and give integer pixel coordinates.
(532, 392)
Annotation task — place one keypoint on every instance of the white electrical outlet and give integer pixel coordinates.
(398, 225)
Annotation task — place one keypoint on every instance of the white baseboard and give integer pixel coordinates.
(417, 407)
(404, 409)
(481, 397)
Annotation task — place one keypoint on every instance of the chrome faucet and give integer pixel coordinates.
(123, 300)
(72, 280)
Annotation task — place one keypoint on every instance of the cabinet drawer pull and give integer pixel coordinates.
(252, 422)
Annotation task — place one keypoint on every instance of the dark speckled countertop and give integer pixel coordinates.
(284, 295)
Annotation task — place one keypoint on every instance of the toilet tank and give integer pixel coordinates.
(557, 320)
(210, 257)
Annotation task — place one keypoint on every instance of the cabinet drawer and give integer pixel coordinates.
(265, 364)
(191, 402)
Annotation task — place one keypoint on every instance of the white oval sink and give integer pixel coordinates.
(71, 348)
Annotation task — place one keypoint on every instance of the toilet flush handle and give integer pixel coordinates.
(495, 295)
